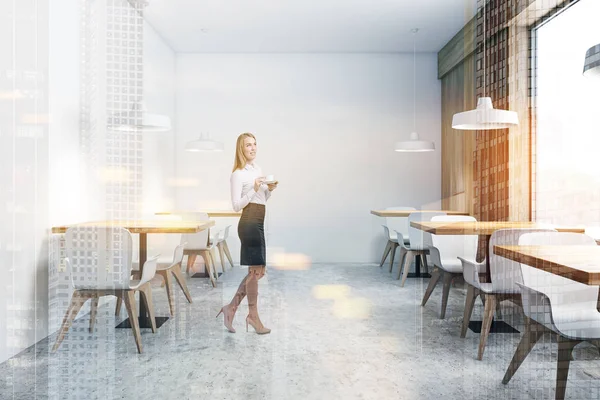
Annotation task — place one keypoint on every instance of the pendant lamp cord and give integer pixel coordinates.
(414, 80)
(484, 47)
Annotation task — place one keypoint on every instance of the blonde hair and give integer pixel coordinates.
(240, 159)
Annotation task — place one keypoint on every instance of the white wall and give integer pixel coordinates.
(41, 179)
(326, 125)
(23, 174)
(159, 96)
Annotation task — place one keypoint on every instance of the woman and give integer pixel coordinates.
(250, 193)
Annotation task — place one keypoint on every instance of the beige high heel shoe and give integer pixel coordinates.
(228, 315)
(258, 326)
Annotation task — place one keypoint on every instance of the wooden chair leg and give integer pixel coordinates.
(146, 296)
(565, 350)
(533, 333)
(488, 316)
(227, 253)
(445, 293)
(401, 261)
(213, 261)
(435, 277)
(208, 267)
(221, 257)
(498, 310)
(119, 304)
(424, 262)
(386, 251)
(393, 247)
(77, 301)
(179, 278)
(129, 297)
(93, 311)
(469, 304)
(166, 275)
(190, 262)
(407, 262)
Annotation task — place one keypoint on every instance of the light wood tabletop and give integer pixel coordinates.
(211, 213)
(406, 213)
(578, 263)
(149, 226)
(483, 227)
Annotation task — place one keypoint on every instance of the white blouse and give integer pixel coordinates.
(242, 187)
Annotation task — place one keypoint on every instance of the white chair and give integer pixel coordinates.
(99, 264)
(199, 244)
(392, 226)
(553, 304)
(505, 275)
(166, 267)
(416, 246)
(221, 243)
(444, 255)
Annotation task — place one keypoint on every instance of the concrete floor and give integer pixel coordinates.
(339, 332)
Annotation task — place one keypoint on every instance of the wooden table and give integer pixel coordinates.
(211, 213)
(406, 213)
(143, 228)
(578, 263)
(484, 229)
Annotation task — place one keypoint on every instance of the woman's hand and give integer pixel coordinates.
(272, 186)
(258, 182)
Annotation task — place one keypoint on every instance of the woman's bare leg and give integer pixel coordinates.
(255, 273)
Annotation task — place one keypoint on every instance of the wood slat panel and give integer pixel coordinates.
(458, 94)
(461, 46)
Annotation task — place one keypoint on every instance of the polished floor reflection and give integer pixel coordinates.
(339, 332)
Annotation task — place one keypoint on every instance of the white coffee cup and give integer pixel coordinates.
(270, 178)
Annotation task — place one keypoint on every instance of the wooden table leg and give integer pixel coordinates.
(484, 248)
(143, 258)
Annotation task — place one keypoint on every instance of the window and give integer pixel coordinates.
(567, 149)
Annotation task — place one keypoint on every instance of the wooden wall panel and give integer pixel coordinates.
(458, 94)
(489, 173)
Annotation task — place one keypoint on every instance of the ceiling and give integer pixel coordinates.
(274, 26)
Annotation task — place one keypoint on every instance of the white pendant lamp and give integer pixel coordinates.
(148, 122)
(591, 68)
(203, 145)
(414, 145)
(485, 116)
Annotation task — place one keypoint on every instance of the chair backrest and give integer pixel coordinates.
(506, 273)
(99, 257)
(452, 246)
(163, 243)
(559, 290)
(197, 240)
(415, 235)
(226, 232)
(178, 254)
(398, 224)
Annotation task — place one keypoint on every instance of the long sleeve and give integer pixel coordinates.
(237, 200)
